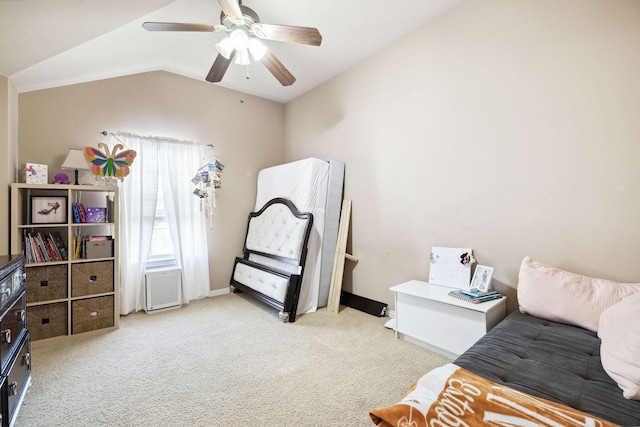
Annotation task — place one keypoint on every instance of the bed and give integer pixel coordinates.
(551, 360)
(568, 357)
(274, 256)
(313, 185)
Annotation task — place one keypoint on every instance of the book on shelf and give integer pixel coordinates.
(54, 255)
(108, 210)
(464, 296)
(56, 237)
(44, 247)
(78, 246)
(80, 243)
(34, 249)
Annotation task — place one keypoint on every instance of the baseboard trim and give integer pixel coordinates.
(219, 292)
(369, 306)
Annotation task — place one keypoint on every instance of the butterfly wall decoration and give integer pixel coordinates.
(109, 164)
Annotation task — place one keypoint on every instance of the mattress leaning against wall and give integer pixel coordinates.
(315, 186)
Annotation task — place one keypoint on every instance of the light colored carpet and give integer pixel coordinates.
(224, 361)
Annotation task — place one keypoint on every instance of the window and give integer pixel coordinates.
(161, 253)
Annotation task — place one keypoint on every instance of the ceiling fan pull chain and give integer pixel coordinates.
(242, 88)
(246, 77)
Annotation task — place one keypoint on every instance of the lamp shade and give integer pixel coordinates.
(242, 57)
(239, 39)
(257, 49)
(75, 160)
(224, 47)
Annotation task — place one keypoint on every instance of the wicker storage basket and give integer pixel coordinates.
(91, 278)
(48, 320)
(46, 283)
(91, 314)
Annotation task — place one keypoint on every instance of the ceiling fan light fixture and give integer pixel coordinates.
(257, 48)
(225, 47)
(242, 57)
(239, 39)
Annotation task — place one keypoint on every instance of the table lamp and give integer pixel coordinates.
(75, 160)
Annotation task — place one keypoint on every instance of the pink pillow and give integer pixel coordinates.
(621, 345)
(565, 297)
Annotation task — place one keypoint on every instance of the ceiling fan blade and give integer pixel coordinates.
(231, 8)
(219, 67)
(278, 70)
(291, 34)
(176, 26)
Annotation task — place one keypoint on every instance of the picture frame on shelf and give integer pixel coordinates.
(482, 278)
(48, 210)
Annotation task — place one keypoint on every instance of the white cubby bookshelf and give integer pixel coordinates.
(79, 294)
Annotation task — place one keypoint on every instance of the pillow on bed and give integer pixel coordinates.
(561, 296)
(621, 345)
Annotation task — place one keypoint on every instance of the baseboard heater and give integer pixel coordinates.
(163, 289)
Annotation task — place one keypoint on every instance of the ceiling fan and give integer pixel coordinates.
(244, 40)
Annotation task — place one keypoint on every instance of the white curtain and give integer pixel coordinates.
(176, 162)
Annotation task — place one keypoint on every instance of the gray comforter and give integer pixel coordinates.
(551, 360)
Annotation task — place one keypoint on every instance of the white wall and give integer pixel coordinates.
(247, 137)
(508, 126)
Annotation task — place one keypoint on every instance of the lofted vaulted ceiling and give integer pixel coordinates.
(49, 43)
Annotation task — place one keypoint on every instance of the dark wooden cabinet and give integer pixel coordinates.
(15, 343)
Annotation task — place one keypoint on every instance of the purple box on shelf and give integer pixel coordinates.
(96, 214)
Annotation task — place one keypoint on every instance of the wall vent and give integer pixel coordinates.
(163, 289)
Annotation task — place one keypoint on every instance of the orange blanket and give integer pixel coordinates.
(453, 396)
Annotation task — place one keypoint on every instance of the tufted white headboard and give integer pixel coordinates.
(275, 252)
(279, 229)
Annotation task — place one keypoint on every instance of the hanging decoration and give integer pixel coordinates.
(207, 179)
(109, 166)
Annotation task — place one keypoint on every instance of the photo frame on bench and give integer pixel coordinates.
(482, 278)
